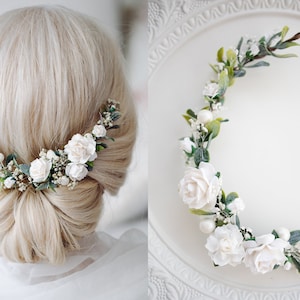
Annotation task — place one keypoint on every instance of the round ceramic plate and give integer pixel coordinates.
(257, 151)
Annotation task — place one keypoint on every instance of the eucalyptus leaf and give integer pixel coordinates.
(43, 186)
(223, 82)
(237, 221)
(230, 198)
(10, 157)
(200, 212)
(275, 234)
(239, 73)
(213, 128)
(200, 155)
(191, 113)
(295, 237)
(231, 57)
(220, 55)
(261, 63)
(284, 31)
(284, 55)
(296, 263)
(285, 45)
(25, 169)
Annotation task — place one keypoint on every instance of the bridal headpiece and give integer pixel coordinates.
(228, 242)
(61, 167)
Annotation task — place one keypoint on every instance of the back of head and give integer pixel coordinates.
(57, 68)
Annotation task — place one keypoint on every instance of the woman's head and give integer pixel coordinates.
(57, 68)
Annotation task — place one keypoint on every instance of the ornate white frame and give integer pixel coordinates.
(170, 23)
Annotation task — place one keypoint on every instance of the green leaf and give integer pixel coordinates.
(201, 154)
(230, 197)
(285, 45)
(223, 82)
(200, 212)
(191, 113)
(25, 169)
(275, 234)
(239, 73)
(213, 128)
(100, 147)
(237, 221)
(284, 55)
(296, 263)
(259, 64)
(231, 57)
(220, 54)
(284, 31)
(240, 44)
(43, 186)
(295, 237)
(10, 157)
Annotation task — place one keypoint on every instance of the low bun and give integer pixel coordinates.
(57, 68)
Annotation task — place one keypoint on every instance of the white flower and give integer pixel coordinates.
(99, 131)
(64, 180)
(225, 245)
(1, 157)
(81, 149)
(207, 225)
(76, 171)
(263, 254)
(9, 182)
(40, 169)
(186, 145)
(51, 155)
(200, 187)
(283, 233)
(236, 206)
(204, 116)
(211, 89)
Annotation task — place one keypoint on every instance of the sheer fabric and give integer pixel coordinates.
(105, 268)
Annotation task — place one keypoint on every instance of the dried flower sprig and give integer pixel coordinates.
(55, 168)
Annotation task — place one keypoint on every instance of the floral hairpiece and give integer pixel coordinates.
(228, 242)
(55, 168)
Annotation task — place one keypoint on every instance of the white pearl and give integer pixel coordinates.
(207, 226)
(283, 233)
(205, 116)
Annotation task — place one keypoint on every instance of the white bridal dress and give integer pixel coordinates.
(105, 268)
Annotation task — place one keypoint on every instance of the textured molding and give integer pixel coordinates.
(171, 22)
(171, 279)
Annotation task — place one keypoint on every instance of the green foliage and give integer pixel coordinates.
(295, 237)
(200, 212)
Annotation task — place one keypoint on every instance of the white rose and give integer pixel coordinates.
(211, 89)
(64, 180)
(81, 149)
(283, 233)
(225, 245)
(236, 206)
(186, 145)
(9, 182)
(99, 131)
(39, 169)
(200, 187)
(51, 155)
(263, 254)
(76, 171)
(204, 116)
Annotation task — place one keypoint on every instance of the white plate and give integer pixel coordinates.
(257, 152)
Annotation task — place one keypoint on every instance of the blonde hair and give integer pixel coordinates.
(57, 68)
